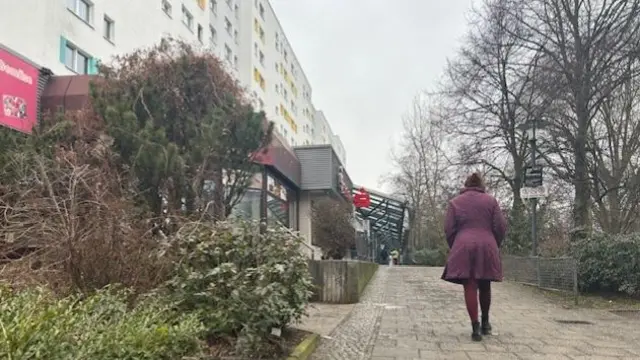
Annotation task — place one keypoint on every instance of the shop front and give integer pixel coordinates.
(281, 200)
(274, 191)
(322, 176)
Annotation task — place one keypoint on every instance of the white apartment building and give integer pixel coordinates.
(73, 36)
(324, 135)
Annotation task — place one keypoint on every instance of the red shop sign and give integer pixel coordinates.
(361, 198)
(18, 93)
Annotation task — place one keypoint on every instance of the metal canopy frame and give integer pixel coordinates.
(385, 214)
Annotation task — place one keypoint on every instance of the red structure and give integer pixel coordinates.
(361, 198)
(18, 92)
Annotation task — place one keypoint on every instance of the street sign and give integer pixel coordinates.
(533, 176)
(533, 192)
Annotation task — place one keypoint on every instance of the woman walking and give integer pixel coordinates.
(475, 228)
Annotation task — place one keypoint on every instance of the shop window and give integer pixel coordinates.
(249, 206)
(279, 202)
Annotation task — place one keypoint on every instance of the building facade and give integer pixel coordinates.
(324, 135)
(73, 36)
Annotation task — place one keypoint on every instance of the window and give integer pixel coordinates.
(228, 26)
(213, 6)
(166, 7)
(227, 53)
(75, 60)
(187, 18)
(286, 56)
(278, 113)
(258, 78)
(235, 62)
(235, 36)
(200, 31)
(213, 36)
(82, 8)
(261, 10)
(109, 29)
(261, 57)
(260, 104)
(236, 11)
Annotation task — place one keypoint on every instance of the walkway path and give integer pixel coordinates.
(409, 313)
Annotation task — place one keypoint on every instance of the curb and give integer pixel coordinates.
(305, 348)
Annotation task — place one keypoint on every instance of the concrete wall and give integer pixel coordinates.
(340, 281)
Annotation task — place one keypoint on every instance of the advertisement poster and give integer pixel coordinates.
(18, 93)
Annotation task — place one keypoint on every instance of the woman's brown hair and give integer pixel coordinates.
(474, 180)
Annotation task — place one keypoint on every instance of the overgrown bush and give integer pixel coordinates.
(70, 214)
(333, 230)
(609, 263)
(36, 325)
(241, 282)
(430, 257)
(179, 120)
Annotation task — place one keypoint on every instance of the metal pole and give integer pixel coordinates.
(534, 201)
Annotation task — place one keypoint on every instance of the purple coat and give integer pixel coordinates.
(475, 228)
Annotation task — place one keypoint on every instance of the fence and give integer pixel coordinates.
(559, 273)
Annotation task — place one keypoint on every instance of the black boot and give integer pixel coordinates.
(486, 326)
(476, 335)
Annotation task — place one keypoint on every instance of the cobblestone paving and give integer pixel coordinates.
(409, 313)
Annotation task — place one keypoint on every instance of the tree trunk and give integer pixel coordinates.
(581, 206)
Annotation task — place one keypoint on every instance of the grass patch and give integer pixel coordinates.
(589, 301)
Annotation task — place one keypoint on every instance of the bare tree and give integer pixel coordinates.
(333, 230)
(614, 166)
(585, 45)
(492, 94)
(422, 172)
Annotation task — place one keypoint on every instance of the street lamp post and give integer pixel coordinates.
(534, 201)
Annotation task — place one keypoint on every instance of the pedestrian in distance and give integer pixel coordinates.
(475, 228)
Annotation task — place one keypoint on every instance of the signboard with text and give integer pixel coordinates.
(18, 93)
(533, 192)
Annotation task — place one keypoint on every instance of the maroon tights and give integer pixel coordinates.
(471, 288)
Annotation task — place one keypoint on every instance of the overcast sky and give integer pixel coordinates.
(366, 60)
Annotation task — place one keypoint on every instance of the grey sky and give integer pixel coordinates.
(366, 60)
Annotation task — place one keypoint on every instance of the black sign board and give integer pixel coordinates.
(533, 176)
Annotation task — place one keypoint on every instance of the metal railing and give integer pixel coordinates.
(559, 273)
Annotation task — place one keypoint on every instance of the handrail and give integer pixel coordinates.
(313, 251)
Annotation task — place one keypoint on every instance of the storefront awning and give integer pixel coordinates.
(386, 215)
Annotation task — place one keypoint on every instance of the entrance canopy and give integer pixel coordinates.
(386, 215)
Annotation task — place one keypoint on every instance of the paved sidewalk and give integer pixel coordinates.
(409, 313)
(323, 319)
